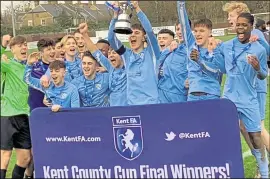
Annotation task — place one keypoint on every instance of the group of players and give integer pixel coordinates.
(74, 72)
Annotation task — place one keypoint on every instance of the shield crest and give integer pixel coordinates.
(128, 138)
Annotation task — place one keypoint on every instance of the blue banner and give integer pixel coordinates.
(184, 140)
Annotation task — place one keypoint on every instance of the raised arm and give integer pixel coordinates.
(5, 41)
(28, 79)
(31, 81)
(115, 43)
(261, 39)
(93, 48)
(186, 29)
(217, 64)
(152, 40)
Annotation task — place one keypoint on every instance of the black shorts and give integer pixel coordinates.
(15, 132)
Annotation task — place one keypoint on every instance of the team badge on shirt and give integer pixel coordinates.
(98, 86)
(63, 95)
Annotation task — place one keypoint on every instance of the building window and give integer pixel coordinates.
(43, 22)
(30, 23)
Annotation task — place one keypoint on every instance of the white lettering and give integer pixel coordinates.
(124, 173)
(55, 173)
(122, 121)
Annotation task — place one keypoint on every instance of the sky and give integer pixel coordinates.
(4, 4)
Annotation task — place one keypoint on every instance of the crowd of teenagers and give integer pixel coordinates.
(188, 65)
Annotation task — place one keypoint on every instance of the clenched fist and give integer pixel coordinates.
(5, 40)
(194, 55)
(33, 58)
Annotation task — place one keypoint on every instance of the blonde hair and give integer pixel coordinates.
(239, 6)
(65, 39)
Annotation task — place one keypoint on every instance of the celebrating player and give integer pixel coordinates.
(204, 76)
(234, 9)
(114, 65)
(61, 93)
(139, 61)
(172, 67)
(15, 132)
(244, 63)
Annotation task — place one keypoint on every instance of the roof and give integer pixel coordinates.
(95, 12)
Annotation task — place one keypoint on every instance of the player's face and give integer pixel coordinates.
(89, 66)
(178, 33)
(201, 33)
(70, 47)
(20, 51)
(136, 39)
(80, 42)
(48, 54)
(115, 59)
(58, 75)
(104, 48)
(232, 18)
(59, 51)
(164, 40)
(243, 29)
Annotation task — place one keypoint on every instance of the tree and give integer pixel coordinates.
(64, 21)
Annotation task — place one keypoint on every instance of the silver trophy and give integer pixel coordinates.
(123, 26)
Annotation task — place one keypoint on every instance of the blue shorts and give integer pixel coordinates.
(262, 103)
(168, 97)
(192, 97)
(251, 118)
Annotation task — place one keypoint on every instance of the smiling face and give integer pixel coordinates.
(243, 29)
(164, 40)
(104, 48)
(80, 42)
(70, 47)
(201, 33)
(19, 51)
(89, 66)
(136, 40)
(48, 54)
(178, 33)
(115, 59)
(59, 51)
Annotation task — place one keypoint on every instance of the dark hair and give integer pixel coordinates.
(103, 41)
(204, 22)
(44, 43)
(138, 27)
(57, 64)
(58, 40)
(268, 23)
(88, 54)
(17, 40)
(166, 31)
(177, 22)
(247, 16)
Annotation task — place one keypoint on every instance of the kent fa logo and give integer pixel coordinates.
(128, 139)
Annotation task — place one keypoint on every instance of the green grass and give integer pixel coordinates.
(249, 162)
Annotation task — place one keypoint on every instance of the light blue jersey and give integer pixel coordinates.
(66, 96)
(203, 75)
(262, 40)
(172, 75)
(261, 85)
(93, 93)
(240, 85)
(141, 67)
(73, 69)
(117, 80)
